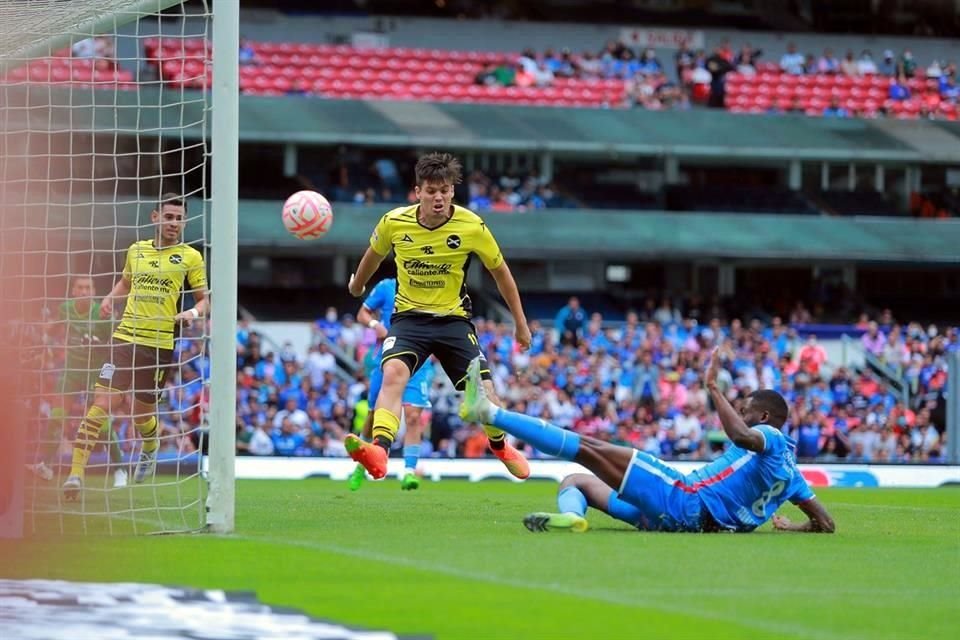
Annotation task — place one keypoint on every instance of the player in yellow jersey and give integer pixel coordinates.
(153, 280)
(433, 241)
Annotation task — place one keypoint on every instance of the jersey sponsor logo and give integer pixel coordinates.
(426, 284)
(176, 258)
(759, 506)
(406, 238)
(420, 268)
(453, 242)
(107, 371)
(427, 250)
(150, 282)
(389, 342)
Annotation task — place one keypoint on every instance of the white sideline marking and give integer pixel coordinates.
(889, 507)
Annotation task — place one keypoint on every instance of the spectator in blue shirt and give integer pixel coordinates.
(287, 439)
(571, 322)
(899, 89)
(888, 66)
(246, 54)
(792, 61)
(835, 110)
(330, 324)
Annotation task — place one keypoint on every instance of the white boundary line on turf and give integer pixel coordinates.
(760, 625)
(890, 507)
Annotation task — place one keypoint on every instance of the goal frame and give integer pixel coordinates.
(223, 156)
(223, 266)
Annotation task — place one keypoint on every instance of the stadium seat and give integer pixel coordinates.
(437, 74)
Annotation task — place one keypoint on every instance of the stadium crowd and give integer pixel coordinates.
(639, 383)
(700, 76)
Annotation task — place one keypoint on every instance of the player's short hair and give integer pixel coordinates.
(172, 198)
(773, 403)
(438, 167)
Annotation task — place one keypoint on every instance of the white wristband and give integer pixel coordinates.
(373, 323)
(196, 314)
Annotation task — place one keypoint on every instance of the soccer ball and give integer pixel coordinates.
(307, 215)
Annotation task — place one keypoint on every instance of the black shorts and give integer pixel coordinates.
(137, 368)
(453, 340)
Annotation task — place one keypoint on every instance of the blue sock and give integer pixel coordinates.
(548, 438)
(624, 511)
(572, 500)
(411, 454)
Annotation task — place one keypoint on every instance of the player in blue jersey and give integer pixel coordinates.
(737, 492)
(416, 396)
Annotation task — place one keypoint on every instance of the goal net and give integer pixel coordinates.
(104, 108)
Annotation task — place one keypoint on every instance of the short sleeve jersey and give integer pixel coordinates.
(431, 263)
(157, 278)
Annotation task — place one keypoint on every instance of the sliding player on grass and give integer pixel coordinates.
(737, 492)
(153, 279)
(416, 395)
(433, 241)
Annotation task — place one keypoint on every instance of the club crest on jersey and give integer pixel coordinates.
(453, 242)
(176, 258)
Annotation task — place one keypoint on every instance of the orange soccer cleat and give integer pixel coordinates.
(372, 457)
(513, 460)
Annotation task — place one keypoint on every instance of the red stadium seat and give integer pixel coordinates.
(282, 84)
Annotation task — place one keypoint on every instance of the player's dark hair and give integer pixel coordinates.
(773, 403)
(438, 167)
(172, 198)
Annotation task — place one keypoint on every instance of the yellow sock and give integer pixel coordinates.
(385, 425)
(87, 436)
(148, 432)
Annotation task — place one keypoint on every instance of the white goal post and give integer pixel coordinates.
(105, 105)
(223, 276)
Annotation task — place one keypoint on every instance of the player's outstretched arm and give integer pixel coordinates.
(736, 429)
(511, 295)
(367, 319)
(819, 521)
(369, 264)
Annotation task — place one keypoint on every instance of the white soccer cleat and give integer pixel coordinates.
(72, 488)
(41, 470)
(119, 478)
(145, 466)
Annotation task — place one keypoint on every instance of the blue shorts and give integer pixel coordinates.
(651, 486)
(417, 393)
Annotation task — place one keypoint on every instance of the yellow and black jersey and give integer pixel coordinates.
(156, 280)
(431, 262)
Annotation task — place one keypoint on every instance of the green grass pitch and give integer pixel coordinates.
(453, 560)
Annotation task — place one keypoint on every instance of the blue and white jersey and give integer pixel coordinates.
(743, 489)
(381, 298)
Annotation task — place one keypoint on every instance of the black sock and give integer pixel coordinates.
(497, 444)
(383, 442)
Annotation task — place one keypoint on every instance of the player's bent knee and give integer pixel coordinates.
(104, 401)
(396, 371)
(576, 480)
